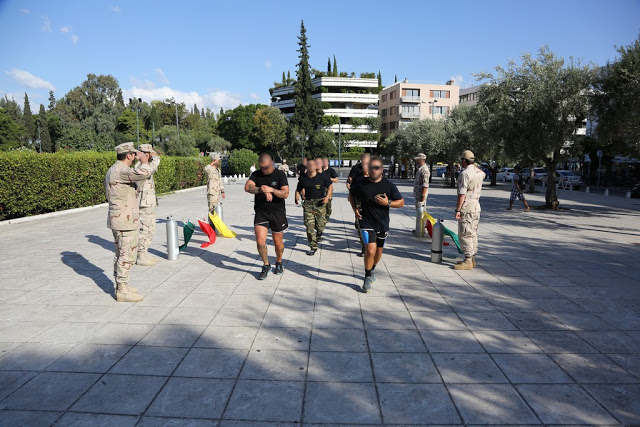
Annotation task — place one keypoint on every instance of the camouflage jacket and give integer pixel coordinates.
(146, 190)
(214, 180)
(121, 194)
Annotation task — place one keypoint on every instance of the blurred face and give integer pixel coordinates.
(375, 169)
(318, 163)
(304, 161)
(265, 162)
(420, 162)
(311, 166)
(325, 163)
(365, 164)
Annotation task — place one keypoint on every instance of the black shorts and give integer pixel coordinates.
(369, 235)
(276, 221)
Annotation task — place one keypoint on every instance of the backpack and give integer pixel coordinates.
(521, 182)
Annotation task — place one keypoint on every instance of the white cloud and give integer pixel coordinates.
(144, 84)
(214, 99)
(46, 24)
(74, 39)
(25, 11)
(27, 79)
(116, 9)
(254, 96)
(162, 78)
(65, 29)
(267, 64)
(457, 80)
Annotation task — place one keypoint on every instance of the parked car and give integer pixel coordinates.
(505, 175)
(440, 171)
(538, 175)
(567, 179)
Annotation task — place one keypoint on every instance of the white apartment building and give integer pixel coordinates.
(347, 103)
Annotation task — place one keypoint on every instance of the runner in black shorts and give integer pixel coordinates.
(271, 188)
(376, 195)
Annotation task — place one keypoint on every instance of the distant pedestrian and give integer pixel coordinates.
(148, 201)
(421, 185)
(252, 169)
(123, 217)
(285, 167)
(271, 188)
(315, 190)
(376, 195)
(468, 209)
(333, 176)
(517, 190)
(357, 170)
(302, 168)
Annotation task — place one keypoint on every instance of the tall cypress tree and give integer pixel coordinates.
(335, 67)
(27, 119)
(45, 138)
(329, 72)
(395, 78)
(195, 109)
(284, 79)
(308, 113)
(52, 101)
(288, 77)
(379, 80)
(119, 99)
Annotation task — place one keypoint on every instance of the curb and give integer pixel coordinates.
(76, 210)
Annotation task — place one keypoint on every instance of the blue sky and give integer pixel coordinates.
(224, 53)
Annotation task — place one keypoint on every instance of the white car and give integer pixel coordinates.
(567, 179)
(505, 175)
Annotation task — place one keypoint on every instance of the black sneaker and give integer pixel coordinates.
(361, 254)
(311, 252)
(278, 269)
(319, 237)
(265, 272)
(366, 286)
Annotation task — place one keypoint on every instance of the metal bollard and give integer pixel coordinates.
(586, 190)
(606, 192)
(628, 195)
(172, 239)
(437, 242)
(419, 231)
(219, 211)
(340, 174)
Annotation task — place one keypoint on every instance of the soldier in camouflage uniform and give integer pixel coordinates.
(316, 190)
(123, 217)
(468, 209)
(215, 188)
(146, 192)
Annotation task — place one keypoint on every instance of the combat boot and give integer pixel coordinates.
(144, 259)
(127, 288)
(473, 259)
(467, 264)
(124, 294)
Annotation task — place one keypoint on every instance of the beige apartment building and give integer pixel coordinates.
(407, 100)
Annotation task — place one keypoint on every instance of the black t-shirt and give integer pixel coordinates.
(276, 179)
(374, 215)
(302, 170)
(331, 172)
(314, 188)
(356, 171)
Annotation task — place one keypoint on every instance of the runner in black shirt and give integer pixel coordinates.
(315, 189)
(376, 195)
(271, 188)
(302, 168)
(333, 176)
(358, 169)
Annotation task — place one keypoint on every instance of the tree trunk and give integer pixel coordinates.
(532, 181)
(430, 172)
(494, 178)
(551, 197)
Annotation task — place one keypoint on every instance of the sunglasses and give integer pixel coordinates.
(375, 168)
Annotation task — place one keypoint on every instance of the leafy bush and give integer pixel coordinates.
(33, 183)
(241, 160)
(330, 120)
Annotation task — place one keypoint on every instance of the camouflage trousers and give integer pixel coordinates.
(126, 253)
(213, 200)
(315, 219)
(147, 228)
(329, 209)
(468, 233)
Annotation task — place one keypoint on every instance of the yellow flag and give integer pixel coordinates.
(431, 219)
(222, 229)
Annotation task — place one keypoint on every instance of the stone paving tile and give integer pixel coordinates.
(282, 339)
(340, 367)
(77, 419)
(238, 337)
(592, 368)
(266, 401)
(33, 356)
(338, 340)
(395, 341)
(141, 360)
(564, 404)
(177, 422)
(417, 404)
(96, 358)
(344, 403)
(173, 336)
(531, 368)
(451, 341)
(28, 418)
(621, 400)
(192, 398)
(404, 368)
(468, 368)
(560, 342)
(281, 365)
(118, 333)
(506, 342)
(211, 363)
(50, 391)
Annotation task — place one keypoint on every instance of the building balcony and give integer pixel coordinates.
(349, 112)
(411, 99)
(345, 82)
(410, 114)
(350, 129)
(286, 103)
(352, 98)
(282, 91)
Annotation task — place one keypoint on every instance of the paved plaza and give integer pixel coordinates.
(545, 331)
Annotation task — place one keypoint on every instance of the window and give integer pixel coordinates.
(393, 94)
(392, 125)
(411, 109)
(392, 111)
(440, 110)
(384, 98)
(410, 92)
(383, 114)
(440, 94)
(383, 126)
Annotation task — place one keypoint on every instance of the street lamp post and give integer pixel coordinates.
(433, 107)
(177, 125)
(339, 145)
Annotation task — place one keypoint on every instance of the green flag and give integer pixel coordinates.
(454, 237)
(188, 229)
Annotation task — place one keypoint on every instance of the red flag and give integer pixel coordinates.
(429, 228)
(209, 231)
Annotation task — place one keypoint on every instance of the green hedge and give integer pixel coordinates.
(32, 183)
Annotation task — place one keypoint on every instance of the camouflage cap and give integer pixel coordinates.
(147, 148)
(468, 155)
(214, 156)
(126, 147)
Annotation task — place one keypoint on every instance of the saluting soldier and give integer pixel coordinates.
(468, 209)
(316, 190)
(148, 202)
(421, 185)
(215, 188)
(123, 217)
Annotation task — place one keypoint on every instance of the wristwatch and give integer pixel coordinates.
(457, 210)
(389, 202)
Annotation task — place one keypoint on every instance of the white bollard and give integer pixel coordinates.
(586, 190)
(244, 176)
(606, 192)
(225, 180)
(628, 195)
